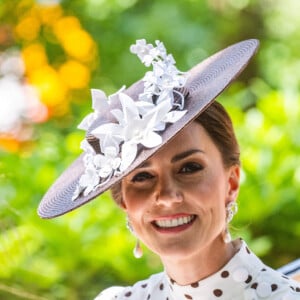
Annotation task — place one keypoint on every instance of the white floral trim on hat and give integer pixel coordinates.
(137, 122)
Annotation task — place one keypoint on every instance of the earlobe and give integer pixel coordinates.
(122, 205)
(234, 182)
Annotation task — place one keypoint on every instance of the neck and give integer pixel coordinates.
(201, 264)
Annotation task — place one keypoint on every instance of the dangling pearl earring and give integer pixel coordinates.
(231, 210)
(226, 236)
(137, 251)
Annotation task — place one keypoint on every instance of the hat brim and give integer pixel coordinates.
(205, 82)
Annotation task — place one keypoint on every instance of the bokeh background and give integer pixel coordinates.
(53, 52)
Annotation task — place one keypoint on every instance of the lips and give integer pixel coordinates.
(174, 222)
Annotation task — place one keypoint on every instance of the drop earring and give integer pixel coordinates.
(231, 210)
(226, 236)
(137, 251)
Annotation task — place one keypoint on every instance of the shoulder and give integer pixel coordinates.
(271, 284)
(110, 293)
(140, 290)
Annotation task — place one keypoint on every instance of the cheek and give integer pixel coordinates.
(137, 210)
(135, 201)
(202, 185)
(208, 190)
(208, 199)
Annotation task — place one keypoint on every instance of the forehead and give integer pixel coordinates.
(193, 136)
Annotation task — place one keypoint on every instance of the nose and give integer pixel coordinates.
(168, 192)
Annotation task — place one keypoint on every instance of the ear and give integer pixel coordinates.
(233, 183)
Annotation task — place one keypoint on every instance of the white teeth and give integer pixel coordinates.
(174, 222)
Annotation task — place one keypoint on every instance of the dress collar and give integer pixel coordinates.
(228, 282)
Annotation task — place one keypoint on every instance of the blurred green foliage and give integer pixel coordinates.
(77, 255)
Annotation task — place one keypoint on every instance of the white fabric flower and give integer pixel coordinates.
(140, 129)
(174, 115)
(100, 103)
(110, 134)
(89, 180)
(97, 167)
(109, 162)
(144, 52)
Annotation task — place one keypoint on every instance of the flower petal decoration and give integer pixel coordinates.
(99, 102)
(128, 154)
(130, 110)
(151, 139)
(174, 116)
(111, 131)
(144, 51)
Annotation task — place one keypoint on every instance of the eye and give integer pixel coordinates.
(191, 167)
(140, 177)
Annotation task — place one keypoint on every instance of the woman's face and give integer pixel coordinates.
(176, 200)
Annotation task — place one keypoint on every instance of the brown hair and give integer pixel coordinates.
(218, 125)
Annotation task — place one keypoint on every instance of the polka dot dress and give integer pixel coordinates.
(244, 277)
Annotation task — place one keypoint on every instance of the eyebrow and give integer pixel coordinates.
(185, 154)
(176, 158)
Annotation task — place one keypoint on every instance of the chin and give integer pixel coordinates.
(176, 250)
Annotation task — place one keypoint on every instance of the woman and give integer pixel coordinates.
(172, 163)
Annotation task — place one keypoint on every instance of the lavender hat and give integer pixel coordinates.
(131, 125)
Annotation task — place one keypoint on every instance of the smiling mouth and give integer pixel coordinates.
(174, 222)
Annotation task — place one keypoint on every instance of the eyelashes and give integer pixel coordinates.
(141, 177)
(187, 169)
(191, 168)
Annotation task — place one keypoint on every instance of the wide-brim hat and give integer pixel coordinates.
(203, 84)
